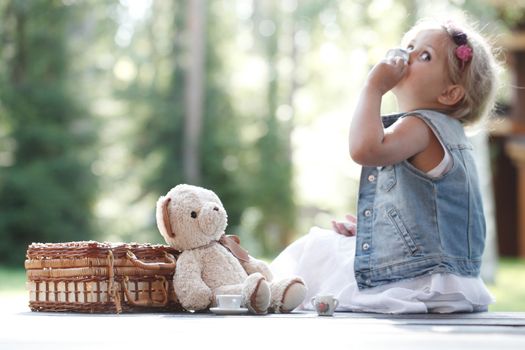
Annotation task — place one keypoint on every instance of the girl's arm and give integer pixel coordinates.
(370, 144)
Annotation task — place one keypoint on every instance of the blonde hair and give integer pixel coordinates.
(478, 77)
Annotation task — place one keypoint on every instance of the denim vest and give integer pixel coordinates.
(410, 224)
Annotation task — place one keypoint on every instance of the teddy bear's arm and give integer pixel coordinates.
(254, 265)
(191, 290)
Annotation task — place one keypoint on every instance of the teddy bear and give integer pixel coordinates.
(193, 220)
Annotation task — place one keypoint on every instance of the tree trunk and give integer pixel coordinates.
(194, 89)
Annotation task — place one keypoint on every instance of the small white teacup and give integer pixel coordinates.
(398, 52)
(325, 305)
(228, 301)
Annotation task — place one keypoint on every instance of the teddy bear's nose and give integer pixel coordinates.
(216, 208)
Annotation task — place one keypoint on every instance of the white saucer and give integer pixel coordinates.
(226, 311)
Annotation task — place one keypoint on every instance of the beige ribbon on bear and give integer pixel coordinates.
(231, 243)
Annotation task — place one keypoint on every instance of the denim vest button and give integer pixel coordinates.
(371, 178)
(366, 246)
(368, 212)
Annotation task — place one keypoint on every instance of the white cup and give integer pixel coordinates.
(229, 301)
(398, 52)
(325, 305)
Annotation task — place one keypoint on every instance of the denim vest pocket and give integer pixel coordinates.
(387, 178)
(402, 230)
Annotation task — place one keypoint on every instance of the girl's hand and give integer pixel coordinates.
(346, 228)
(386, 74)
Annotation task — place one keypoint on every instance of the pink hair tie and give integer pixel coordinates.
(463, 52)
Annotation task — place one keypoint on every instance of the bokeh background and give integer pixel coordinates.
(106, 104)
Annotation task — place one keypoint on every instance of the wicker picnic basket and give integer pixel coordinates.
(99, 277)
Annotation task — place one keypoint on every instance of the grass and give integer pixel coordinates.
(509, 288)
(12, 281)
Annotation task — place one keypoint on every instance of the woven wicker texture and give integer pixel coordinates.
(101, 277)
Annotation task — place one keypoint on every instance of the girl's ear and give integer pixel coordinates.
(451, 95)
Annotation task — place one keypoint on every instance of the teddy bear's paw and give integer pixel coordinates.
(256, 293)
(287, 294)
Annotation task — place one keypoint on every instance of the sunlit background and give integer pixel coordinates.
(106, 105)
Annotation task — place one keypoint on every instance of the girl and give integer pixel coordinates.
(419, 235)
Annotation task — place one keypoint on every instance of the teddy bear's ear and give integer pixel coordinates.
(166, 216)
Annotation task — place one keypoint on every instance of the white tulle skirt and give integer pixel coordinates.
(325, 260)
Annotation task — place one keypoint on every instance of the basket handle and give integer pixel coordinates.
(147, 303)
(170, 265)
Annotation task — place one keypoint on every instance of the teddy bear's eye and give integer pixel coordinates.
(193, 214)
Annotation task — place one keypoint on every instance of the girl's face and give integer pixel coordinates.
(427, 74)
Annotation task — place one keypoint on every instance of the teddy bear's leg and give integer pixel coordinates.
(287, 294)
(195, 296)
(256, 293)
